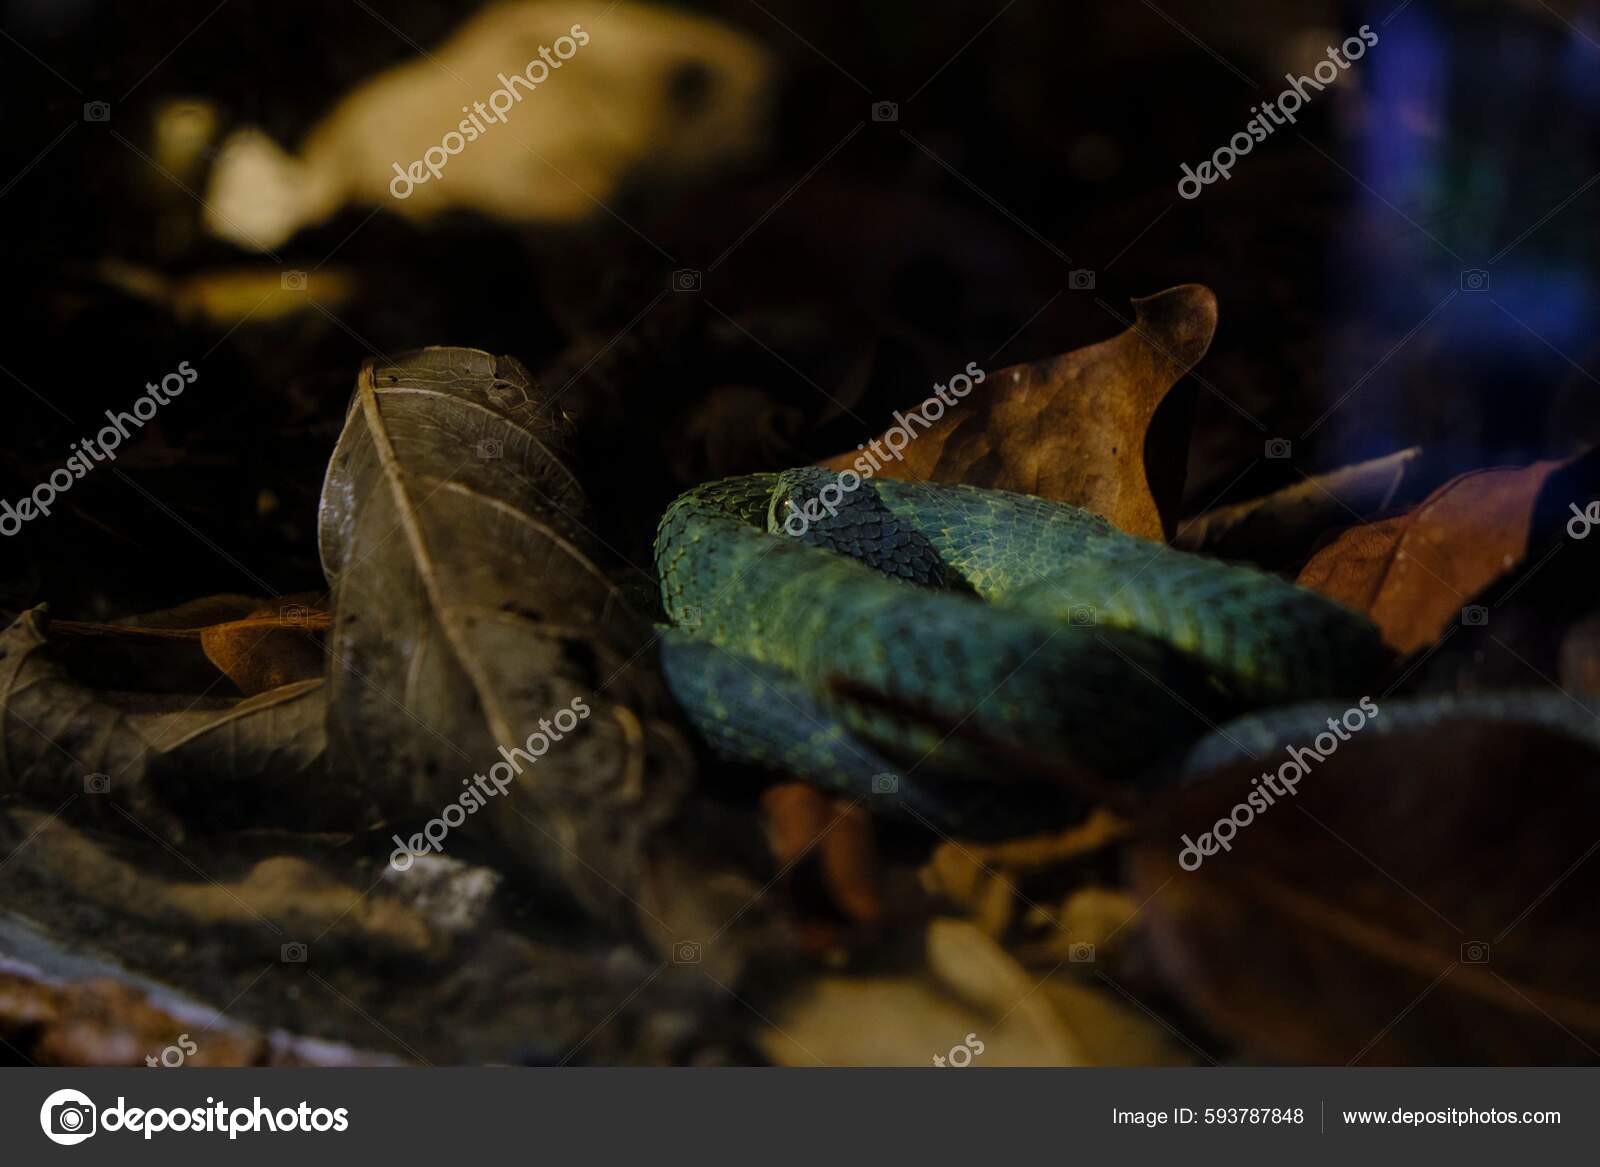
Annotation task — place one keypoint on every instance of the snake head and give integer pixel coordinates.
(843, 513)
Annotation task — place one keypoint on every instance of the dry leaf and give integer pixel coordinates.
(471, 622)
(1413, 574)
(1073, 428)
(267, 650)
(1422, 899)
(645, 93)
(971, 987)
(802, 821)
(1038, 852)
(282, 898)
(271, 646)
(149, 754)
(105, 1022)
(1279, 529)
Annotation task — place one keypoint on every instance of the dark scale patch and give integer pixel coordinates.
(809, 506)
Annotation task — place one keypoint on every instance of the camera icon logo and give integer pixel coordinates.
(687, 279)
(1278, 449)
(1081, 954)
(295, 614)
(1082, 615)
(1475, 952)
(97, 783)
(68, 1117)
(491, 449)
(1080, 280)
(886, 784)
(1474, 279)
(1474, 615)
(686, 952)
(293, 953)
(293, 281)
(97, 111)
(885, 111)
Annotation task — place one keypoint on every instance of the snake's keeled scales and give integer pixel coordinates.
(944, 650)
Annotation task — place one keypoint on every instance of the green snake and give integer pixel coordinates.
(948, 646)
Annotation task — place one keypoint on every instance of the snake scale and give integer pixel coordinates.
(939, 648)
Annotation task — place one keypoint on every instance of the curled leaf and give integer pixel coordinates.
(1279, 529)
(1413, 574)
(63, 741)
(802, 821)
(470, 623)
(266, 648)
(1072, 428)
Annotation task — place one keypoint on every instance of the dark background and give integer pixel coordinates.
(1464, 127)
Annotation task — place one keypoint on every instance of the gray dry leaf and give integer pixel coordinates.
(467, 609)
(284, 895)
(57, 734)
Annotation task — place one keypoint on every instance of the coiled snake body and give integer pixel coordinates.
(930, 642)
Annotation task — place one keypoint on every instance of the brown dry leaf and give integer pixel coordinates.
(105, 1023)
(271, 646)
(1073, 428)
(1412, 574)
(1278, 529)
(802, 819)
(102, 1021)
(1425, 900)
(982, 878)
(1037, 852)
(150, 754)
